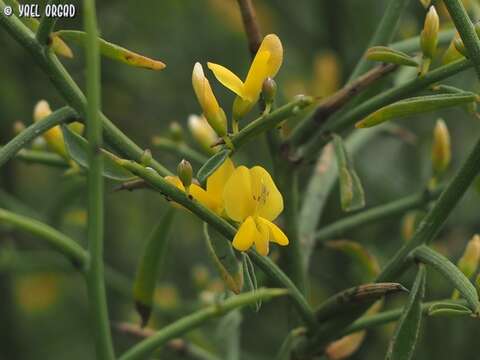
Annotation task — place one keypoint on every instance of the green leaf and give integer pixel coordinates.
(250, 279)
(77, 148)
(448, 309)
(150, 265)
(352, 196)
(113, 51)
(224, 259)
(389, 55)
(227, 335)
(211, 165)
(402, 345)
(451, 273)
(415, 105)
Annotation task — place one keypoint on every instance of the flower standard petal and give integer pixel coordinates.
(269, 199)
(216, 182)
(237, 195)
(256, 76)
(246, 235)
(227, 78)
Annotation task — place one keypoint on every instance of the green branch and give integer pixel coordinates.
(189, 322)
(60, 116)
(376, 214)
(95, 225)
(47, 25)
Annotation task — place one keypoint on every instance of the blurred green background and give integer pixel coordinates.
(44, 313)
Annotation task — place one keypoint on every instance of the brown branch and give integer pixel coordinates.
(334, 102)
(250, 23)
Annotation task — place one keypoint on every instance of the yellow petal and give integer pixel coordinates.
(245, 235)
(227, 78)
(216, 182)
(262, 237)
(237, 195)
(269, 200)
(204, 92)
(266, 64)
(203, 198)
(276, 234)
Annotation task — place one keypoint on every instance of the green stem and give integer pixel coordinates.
(95, 226)
(41, 157)
(47, 25)
(340, 122)
(181, 149)
(438, 214)
(69, 89)
(376, 214)
(466, 29)
(59, 241)
(224, 228)
(189, 322)
(60, 116)
(383, 34)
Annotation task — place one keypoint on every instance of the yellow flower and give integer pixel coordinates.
(212, 197)
(251, 197)
(266, 64)
(212, 111)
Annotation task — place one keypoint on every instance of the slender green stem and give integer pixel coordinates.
(47, 25)
(367, 322)
(53, 237)
(181, 149)
(41, 157)
(224, 228)
(376, 214)
(60, 116)
(95, 225)
(466, 29)
(383, 34)
(69, 89)
(189, 322)
(340, 122)
(438, 214)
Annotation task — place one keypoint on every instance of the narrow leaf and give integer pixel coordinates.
(212, 164)
(77, 148)
(389, 55)
(113, 51)
(448, 309)
(416, 105)
(404, 340)
(150, 265)
(250, 279)
(352, 196)
(451, 273)
(224, 259)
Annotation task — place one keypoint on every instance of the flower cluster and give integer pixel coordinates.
(247, 196)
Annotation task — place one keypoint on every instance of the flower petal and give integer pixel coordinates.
(203, 197)
(256, 76)
(174, 180)
(216, 182)
(269, 199)
(262, 238)
(245, 235)
(273, 45)
(203, 91)
(237, 195)
(276, 234)
(227, 78)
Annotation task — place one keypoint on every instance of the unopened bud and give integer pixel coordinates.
(429, 34)
(146, 158)
(41, 110)
(185, 173)
(441, 148)
(452, 53)
(468, 263)
(18, 127)
(202, 132)
(269, 90)
(175, 131)
(425, 3)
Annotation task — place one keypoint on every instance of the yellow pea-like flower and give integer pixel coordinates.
(213, 112)
(266, 64)
(251, 198)
(212, 196)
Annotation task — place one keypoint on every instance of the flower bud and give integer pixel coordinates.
(146, 158)
(185, 173)
(202, 132)
(441, 149)
(425, 3)
(468, 263)
(429, 34)
(452, 53)
(212, 111)
(41, 110)
(175, 131)
(269, 90)
(18, 127)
